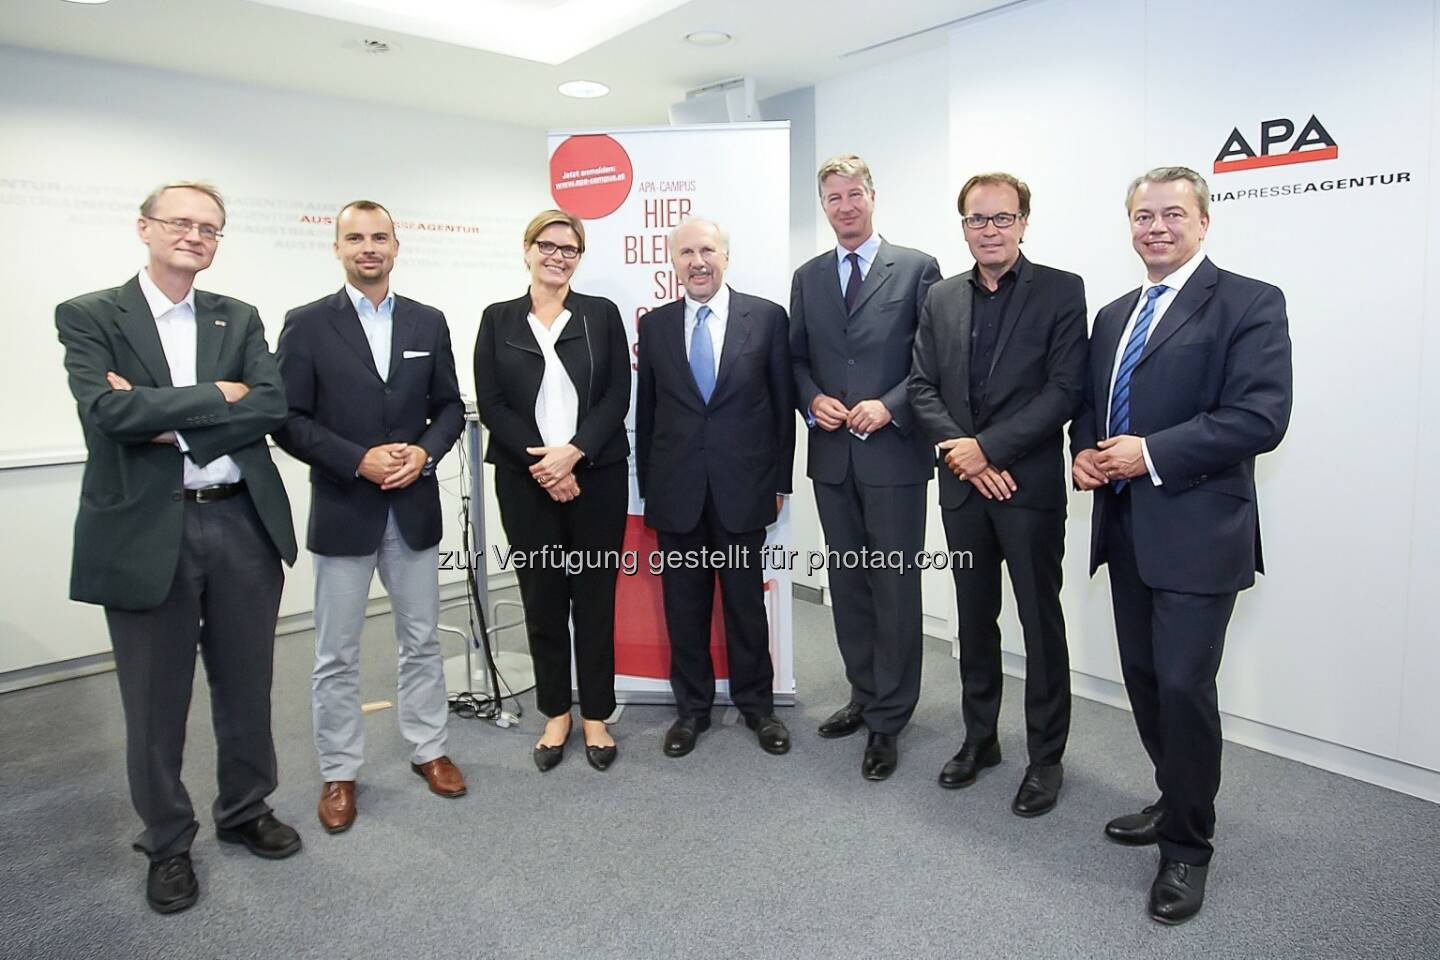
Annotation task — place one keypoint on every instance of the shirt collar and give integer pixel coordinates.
(719, 304)
(866, 250)
(357, 298)
(1178, 277)
(1009, 276)
(159, 303)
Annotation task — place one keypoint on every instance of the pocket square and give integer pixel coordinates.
(412, 354)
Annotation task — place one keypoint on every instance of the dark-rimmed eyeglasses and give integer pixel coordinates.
(547, 248)
(977, 221)
(182, 227)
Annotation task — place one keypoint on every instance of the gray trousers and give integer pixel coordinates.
(224, 600)
(342, 589)
(878, 616)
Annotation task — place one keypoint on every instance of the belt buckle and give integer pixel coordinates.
(201, 495)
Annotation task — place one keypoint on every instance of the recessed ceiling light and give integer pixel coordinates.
(584, 89)
(88, 2)
(374, 45)
(708, 38)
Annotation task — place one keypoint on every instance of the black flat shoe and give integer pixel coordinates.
(547, 758)
(600, 757)
(843, 722)
(1178, 892)
(962, 769)
(1136, 829)
(171, 885)
(771, 732)
(680, 738)
(1039, 790)
(264, 836)
(881, 756)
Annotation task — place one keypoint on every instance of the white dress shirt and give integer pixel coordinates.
(378, 324)
(1173, 282)
(557, 405)
(714, 324)
(175, 323)
(866, 252)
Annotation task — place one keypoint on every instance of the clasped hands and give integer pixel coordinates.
(553, 471)
(867, 416)
(393, 466)
(967, 461)
(1118, 458)
(232, 390)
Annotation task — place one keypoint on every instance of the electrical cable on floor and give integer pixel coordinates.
(468, 704)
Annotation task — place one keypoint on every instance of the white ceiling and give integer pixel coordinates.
(782, 44)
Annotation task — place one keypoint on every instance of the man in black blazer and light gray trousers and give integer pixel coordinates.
(372, 440)
(999, 362)
(853, 312)
(714, 448)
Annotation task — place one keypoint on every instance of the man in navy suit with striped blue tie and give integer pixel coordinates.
(1189, 379)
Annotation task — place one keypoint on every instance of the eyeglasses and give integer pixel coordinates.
(547, 249)
(977, 221)
(182, 227)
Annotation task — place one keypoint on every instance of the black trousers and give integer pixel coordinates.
(1170, 648)
(566, 558)
(224, 600)
(1031, 543)
(878, 615)
(689, 596)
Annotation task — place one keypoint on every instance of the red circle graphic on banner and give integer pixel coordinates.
(590, 176)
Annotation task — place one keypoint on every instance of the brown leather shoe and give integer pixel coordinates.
(443, 776)
(337, 805)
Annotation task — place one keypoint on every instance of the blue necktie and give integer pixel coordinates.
(702, 355)
(1120, 399)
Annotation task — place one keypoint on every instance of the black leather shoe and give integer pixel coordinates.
(1039, 790)
(881, 756)
(1178, 891)
(547, 758)
(1135, 829)
(600, 757)
(771, 732)
(264, 836)
(962, 769)
(680, 738)
(171, 885)
(843, 722)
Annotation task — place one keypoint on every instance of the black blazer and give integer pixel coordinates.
(594, 350)
(862, 356)
(1032, 391)
(128, 529)
(741, 445)
(339, 408)
(1212, 389)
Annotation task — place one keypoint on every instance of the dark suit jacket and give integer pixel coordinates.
(862, 356)
(339, 408)
(741, 445)
(128, 530)
(594, 350)
(1032, 391)
(1211, 390)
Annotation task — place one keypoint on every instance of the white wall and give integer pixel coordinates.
(1332, 657)
(85, 141)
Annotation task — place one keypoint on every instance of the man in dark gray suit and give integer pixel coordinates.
(853, 313)
(182, 525)
(999, 360)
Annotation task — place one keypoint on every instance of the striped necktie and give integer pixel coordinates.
(1120, 398)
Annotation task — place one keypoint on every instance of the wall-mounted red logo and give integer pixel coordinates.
(590, 176)
(1312, 143)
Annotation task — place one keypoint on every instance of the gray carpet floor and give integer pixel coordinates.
(728, 852)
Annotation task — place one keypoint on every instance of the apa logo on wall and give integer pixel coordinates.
(1311, 144)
